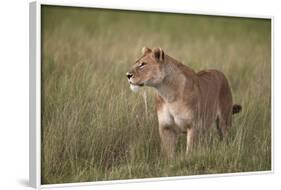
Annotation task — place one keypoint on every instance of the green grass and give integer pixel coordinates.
(95, 128)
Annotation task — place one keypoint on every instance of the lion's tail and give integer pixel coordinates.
(236, 108)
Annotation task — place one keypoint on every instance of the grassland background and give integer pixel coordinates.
(95, 128)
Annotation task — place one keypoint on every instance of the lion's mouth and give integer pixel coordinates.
(136, 84)
(135, 87)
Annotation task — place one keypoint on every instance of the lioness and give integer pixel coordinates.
(185, 100)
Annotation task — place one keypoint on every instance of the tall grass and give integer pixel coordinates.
(95, 128)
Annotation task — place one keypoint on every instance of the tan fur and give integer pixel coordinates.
(185, 100)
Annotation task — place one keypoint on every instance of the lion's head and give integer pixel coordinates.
(147, 70)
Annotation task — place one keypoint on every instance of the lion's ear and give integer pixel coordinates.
(145, 50)
(158, 54)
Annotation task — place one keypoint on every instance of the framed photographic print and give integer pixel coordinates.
(138, 94)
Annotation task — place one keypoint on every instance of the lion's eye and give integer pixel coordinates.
(142, 65)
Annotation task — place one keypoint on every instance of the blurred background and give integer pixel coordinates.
(95, 128)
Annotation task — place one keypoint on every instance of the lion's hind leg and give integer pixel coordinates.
(224, 111)
(223, 125)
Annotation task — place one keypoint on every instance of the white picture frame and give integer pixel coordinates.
(35, 92)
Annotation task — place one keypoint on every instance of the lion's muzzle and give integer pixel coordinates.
(129, 75)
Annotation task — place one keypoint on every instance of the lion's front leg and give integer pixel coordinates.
(191, 133)
(168, 141)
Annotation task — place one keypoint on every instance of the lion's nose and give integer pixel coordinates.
(129, 75)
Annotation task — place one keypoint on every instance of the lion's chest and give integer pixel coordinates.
(174, 114)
